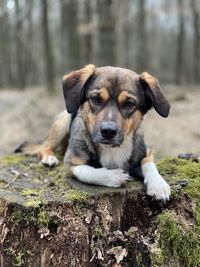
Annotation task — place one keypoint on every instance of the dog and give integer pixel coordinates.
(100, 132)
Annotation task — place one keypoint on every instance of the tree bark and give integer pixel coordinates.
(7, 77)
(142, 39)
(104, 38)
(70, 53)
(196, 40)
(85, 30)
(179, 67)
(123, 33)
(48, 220)
(48, 52)
(20, 73)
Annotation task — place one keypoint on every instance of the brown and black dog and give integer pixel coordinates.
(100, 131)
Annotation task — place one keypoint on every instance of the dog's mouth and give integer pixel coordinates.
(108, 142)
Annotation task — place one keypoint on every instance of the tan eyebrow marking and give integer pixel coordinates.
(103, 93)
(123, 96)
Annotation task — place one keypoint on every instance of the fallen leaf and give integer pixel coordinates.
(119, 253)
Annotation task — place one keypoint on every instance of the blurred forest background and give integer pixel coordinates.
(41, 40)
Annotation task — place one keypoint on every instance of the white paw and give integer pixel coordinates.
(116, 178)
(50, 161)
(157, 187)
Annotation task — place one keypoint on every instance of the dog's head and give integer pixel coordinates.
(112, 100)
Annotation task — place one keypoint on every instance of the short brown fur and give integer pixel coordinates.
(132, 123)
(123, 96)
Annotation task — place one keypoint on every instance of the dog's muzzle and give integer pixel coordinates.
(108, 133)
(109, 130)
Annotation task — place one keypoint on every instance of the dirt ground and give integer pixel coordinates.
(27, 115)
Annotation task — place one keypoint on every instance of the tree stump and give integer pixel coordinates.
(47, 219)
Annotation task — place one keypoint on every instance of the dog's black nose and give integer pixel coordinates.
(108, 129)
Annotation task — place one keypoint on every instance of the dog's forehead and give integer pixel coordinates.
(116, 79)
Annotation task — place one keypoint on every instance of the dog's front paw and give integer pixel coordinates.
(117, 178)
(157, 187)
(50, 161)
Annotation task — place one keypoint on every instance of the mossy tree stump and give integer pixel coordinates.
(49, 220)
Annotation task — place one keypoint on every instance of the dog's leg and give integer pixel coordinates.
(101, 176)
(155, 184)
(110, 178)
(57, 134)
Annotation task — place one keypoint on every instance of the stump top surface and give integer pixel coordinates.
(25, 181)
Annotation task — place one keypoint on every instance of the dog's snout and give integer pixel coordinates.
(108, 129)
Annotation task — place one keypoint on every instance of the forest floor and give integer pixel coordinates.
(27, 115)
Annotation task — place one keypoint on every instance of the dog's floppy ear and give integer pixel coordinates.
(154, 93)
(73, 86)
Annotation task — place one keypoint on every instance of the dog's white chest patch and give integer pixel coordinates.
(116, 157)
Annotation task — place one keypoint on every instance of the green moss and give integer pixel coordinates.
(23, 258)
(31, 192)
(16, 216)
(38, 216)
(179, 240)
(13, 160)
(157, 257)
(20, 258)
(19, 215)
(34, 197)
(43, 218)
(75, 195)
(3, 184)
(58, 175)
(45, 183)
(33, 203)
(179, 169)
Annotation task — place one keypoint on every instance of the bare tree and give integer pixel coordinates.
(142, 40)
(196, 40)
(29, 62)
(180, 43)
(85, 30)
(6, 77)
(48, 55)
(138, 34)
(69, 35)
(104, 36)
(20, 74)
(123, 32)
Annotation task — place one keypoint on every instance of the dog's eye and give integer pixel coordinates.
(129, 104)
(96, 99)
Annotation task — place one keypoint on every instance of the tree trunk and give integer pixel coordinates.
(85, 29)
(142, 39)
(70, 53)
(20, 73)
(123, 33)
(48, 52)
(196, 40)
(6, 78)
(104, 42)
(29, 45)
(179, 67)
